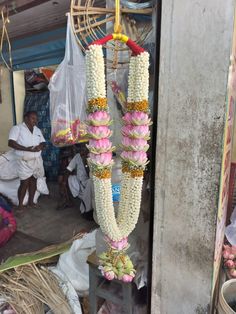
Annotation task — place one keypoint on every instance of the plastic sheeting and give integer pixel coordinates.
(68, 95)
(72, 265)
(132, 5)
(230, 231)
(42, 49)
(68, 291)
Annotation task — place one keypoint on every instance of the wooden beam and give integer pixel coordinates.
(17, 6)
(78, 30)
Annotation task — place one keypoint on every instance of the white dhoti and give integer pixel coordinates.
(82, 190)
(10, 182)
(32, 167)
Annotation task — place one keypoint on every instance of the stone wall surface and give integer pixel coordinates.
(196, 39)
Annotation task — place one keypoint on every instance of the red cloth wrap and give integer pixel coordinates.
(102, 41)
(136, 49)
(7, 232)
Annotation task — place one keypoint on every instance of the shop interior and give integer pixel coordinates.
(36, 53)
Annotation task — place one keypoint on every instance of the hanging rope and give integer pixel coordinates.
(117, 26)
(117, 30)
(5, 21)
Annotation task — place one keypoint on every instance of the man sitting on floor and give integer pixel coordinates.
(28, 142)
(80, 185)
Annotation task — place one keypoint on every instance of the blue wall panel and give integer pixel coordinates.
(39, 50)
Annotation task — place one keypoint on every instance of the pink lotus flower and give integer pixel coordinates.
(233, 272)
(233, 250)
(135, 143)
(126, 141)
(118, 245)
(136, 131)
(127, 118)
(139, 158)
(103, 159)
(136, 118)
(99, 132)
(109, 275)
(102, 144)
(229, 264)
(127, 278)
(9, 311)
(126, 129)
(99, 118)
(226, 254)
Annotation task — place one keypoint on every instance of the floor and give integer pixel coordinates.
(39, 227)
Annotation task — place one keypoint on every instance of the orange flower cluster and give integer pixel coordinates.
(100, 103)
(138, 106)
(102, 174)
(133, 172)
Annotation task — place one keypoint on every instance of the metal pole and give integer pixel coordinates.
(153, 151)
(13, 103)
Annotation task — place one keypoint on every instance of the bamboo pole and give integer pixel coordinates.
(95, 24)
(97, 10)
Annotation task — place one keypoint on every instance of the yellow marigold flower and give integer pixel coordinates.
(134, 173)
(101, 103)
(138, 105)
(102, 174)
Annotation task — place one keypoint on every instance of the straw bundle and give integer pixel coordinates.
(28, 288)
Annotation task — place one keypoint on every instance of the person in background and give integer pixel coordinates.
(78, 181)
(66, 154)
(7, 220)
(28, 142)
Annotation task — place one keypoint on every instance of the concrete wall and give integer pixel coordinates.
(6, 120)
(19, 88)
(196, 38)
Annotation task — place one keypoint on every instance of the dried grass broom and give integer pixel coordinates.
(28, 288)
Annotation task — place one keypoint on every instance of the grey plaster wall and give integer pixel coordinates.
(196, 40)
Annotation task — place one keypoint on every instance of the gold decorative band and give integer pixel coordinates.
(133, 172)
(138, 105)
(102, 174)
(100, 103)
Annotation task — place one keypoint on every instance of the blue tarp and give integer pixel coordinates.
(39, 50)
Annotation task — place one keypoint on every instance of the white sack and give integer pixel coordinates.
(72, 265)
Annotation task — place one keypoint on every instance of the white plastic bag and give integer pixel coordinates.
(68, 95)
(72, 265)
(230, 231)
(68, 291)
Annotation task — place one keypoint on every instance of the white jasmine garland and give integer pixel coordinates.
(95, 72)
(124, 201)
(132, 210)
(131, 187)
(104, 208)
(131, 79)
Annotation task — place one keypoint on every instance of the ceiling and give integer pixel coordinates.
(37, 29)
(29, 17)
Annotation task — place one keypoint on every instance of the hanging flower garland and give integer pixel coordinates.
(115, 263)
